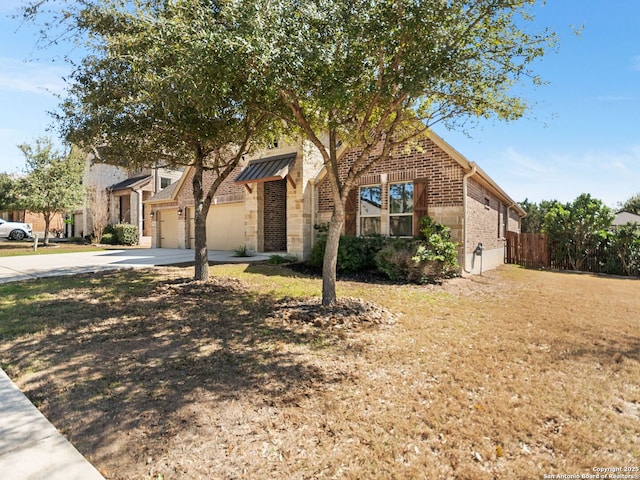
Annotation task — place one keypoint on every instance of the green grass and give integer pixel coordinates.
(13, 249)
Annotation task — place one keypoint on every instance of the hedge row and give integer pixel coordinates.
(121, 234)
(428, 258)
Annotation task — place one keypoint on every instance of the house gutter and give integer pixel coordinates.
(467, 175)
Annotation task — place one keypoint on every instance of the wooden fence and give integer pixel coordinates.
(533, 250)
(529, 250)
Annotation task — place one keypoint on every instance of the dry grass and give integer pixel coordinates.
(515, 374)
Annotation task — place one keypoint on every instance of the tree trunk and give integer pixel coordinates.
(47, 223)
(329, 265)
(201, 255)
(201, 267)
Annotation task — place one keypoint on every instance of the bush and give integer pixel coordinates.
(431, 257)
(355, 254)
(126, 234)
(109, 229)
(281, 260)
(241, 251)
(108, 239)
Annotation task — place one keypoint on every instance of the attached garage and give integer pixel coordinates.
(225, 226)
(167, 220)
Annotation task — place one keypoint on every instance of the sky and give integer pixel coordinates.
(581, 134)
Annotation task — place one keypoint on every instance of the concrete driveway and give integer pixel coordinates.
(26, 267)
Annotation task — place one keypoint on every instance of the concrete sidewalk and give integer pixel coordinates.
(30, 447)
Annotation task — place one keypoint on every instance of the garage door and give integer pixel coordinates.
(168, 228)
(225, 226)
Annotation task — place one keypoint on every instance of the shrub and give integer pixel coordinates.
(431, 257)
(109, 229)
(622, 252)
(126, 234)
(241, 251)
(355, 254)
(396, 260)
(280, 259)
(108, 239)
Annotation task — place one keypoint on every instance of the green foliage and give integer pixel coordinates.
(355, 254)
(109, 229)
(427, 258)
(161, 82)
(281, 259)
(54, 180)
(108, 239)
(577, 229)
(241, 251)
(126, 234)
(9, 188)
(431, 257)
(534, 220)
(623, 250)
(631, 205)
(378, 74)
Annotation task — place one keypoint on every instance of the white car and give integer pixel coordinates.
(14, 230)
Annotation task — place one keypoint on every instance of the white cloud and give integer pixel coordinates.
(39, 78)
(610, 175)
(526, 166)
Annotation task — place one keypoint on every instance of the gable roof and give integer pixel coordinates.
(486, 180)
(622, 218)
(468, 167)
(130, 183)
(165, 195)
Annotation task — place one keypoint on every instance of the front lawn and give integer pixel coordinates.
(514, 374)
(13, 248)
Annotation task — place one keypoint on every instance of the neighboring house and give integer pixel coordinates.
(622, 218)
(272, 202)
(119, 194)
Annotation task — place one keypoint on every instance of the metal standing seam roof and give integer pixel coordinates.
(267, 169)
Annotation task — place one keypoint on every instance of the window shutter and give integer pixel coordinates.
(351, 213)
(420, 205)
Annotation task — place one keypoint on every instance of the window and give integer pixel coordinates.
(370, 209)
(164, 182)
(401, 209)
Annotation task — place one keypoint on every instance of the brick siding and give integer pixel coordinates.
(423, 160)
(227, 192)
(275, 216)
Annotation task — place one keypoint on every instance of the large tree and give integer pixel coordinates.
(577, 228)
(8, 192)
(631, 205)
(377, 74)
(162, 85)
(534, 220)
(53, 184)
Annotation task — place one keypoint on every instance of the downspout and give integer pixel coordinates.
(465, 216)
